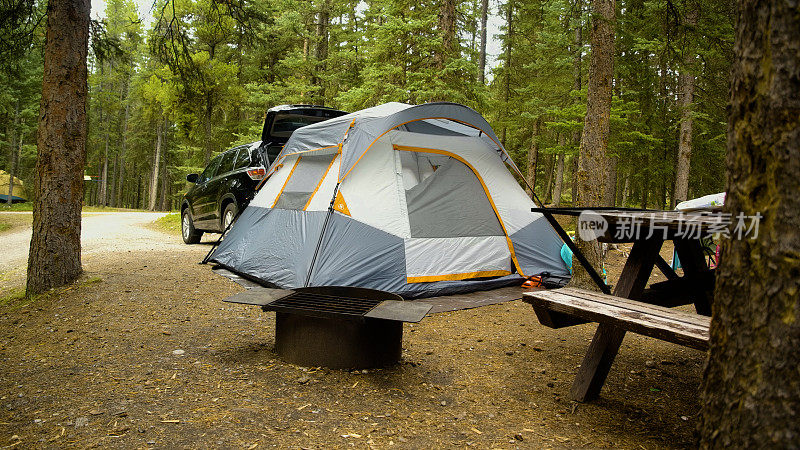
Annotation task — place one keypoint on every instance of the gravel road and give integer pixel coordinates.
(101, 233)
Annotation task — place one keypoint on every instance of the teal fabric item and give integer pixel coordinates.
(676, 263)
(566, 255)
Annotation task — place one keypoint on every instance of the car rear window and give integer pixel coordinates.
(243, 158)
(285, 124)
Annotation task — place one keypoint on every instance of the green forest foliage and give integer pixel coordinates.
(206, 71)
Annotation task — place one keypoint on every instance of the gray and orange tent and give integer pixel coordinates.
(415, 200)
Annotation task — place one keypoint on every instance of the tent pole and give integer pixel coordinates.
(524, 180)
(222, 235)
(321, 235)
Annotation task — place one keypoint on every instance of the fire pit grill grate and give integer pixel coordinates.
(336, 326)
(323, 304)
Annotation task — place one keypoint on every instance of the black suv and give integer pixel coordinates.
(229, 181)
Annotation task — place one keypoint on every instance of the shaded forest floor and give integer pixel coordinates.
(143, 353)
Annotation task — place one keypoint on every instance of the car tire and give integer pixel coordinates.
(188, 232)
(229, 215)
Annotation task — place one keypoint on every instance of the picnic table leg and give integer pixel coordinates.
(666, 269)
(695, 269)
(597, 363)
(607, 339)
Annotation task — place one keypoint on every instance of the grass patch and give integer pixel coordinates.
(12, 222)
(26, 206)
(15, 298)
(171, 223)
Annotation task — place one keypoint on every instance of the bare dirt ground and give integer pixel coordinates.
(143, 353)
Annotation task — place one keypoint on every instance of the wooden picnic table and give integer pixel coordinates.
(647, 230)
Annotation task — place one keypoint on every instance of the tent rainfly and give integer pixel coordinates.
(413, 200)
(13, 184)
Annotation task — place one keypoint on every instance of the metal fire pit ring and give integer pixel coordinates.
(336, 327)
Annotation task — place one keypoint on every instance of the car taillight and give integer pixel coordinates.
(257, 173)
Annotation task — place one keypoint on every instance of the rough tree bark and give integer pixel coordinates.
(55, 252)
(686, 83)
(751, 388)
(577, 50)
(610, 192)
(447, 27)
(482, 62)
(594, 139)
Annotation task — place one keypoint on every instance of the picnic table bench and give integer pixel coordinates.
(678, 327)
(632, 307)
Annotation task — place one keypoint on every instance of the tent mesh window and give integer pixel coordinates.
(445, 198)
(304, 179)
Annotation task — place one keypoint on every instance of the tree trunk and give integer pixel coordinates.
(321, 52)
(645, 174)
(139, 192)
(156, 162)
(11, 132)
(559, 172)
(447, 28)
(165, 183)
(686, 98)
(610, 195)
(208, 127)
(507, 71)
(112, 193)
(548, 186)
(577, 57)
(482, 57)
(123, 147)
(751, 388)
(533, 159)
(55, 252)
(625, 190)
(594, 140)
(577, 46)
(104, 174)
(574, 193)
(661, 193)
